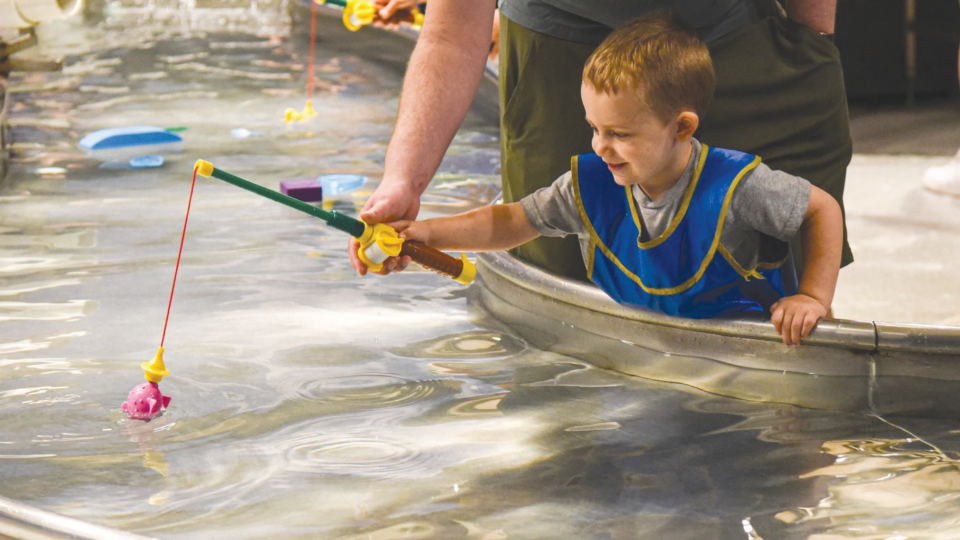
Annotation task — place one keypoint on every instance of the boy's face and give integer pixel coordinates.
(636, 146)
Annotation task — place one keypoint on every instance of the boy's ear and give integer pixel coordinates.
(687, 124)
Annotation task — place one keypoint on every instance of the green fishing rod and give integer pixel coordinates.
(377, 242)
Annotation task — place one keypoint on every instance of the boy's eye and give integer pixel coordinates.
(619, 135)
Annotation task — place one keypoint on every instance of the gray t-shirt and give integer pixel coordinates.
(589, 22)
(765, 202)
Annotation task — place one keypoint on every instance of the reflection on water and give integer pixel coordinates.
(883, 488)
(310, 403)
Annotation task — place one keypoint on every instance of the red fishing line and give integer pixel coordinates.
(313, 41)
(179, 253)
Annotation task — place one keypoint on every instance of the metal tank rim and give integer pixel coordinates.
(848, 365)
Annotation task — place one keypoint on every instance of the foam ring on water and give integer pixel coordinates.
(472, 345)
(353, 456)
(377, 389)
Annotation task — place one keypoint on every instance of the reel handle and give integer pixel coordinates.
(461, 270)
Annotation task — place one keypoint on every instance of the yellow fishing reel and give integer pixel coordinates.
(358, 13)
(379, 242)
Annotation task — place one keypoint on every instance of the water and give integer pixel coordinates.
(311, 403)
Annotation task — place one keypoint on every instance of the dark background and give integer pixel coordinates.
(871, 37)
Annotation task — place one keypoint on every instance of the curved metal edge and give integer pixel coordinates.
(20, 521)
(743, 359)
(855, 335)
(918, 338)
(851, 334)
(763, 371)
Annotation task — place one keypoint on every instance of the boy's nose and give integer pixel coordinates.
(600, 146)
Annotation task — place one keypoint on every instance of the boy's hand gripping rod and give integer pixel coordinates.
(377, 242)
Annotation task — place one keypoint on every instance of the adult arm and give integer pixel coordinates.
(442, 77)
(817, 14)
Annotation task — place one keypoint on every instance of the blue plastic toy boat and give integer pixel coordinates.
(127, 142)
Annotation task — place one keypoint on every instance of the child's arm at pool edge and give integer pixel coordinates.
(488, 228)
(822, 235)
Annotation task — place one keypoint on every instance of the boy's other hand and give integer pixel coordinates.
(386, 204)
(796, 316)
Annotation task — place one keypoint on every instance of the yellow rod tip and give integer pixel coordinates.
(204, 168)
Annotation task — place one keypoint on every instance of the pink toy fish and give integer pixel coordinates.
(145, 402)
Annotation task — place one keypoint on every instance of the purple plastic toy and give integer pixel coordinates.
(304, 190)
(145, 402)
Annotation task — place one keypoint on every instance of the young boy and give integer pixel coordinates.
(665, 222)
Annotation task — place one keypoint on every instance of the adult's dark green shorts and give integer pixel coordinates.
(780, 95)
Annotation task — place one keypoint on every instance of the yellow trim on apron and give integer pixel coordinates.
(595, 238)
(675, 222)
(592, 248)
(772, 265)
(746, 274)
(575, 180)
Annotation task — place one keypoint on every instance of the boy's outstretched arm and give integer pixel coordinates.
(822, 234)
(488, 228)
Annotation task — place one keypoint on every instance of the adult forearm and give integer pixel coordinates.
(817, 14)
(442, 77)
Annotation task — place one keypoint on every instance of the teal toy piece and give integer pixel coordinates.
(338, 184)
(145, 162)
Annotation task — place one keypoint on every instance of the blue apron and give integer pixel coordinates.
(679, 272)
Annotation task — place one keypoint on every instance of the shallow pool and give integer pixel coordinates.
(311, 403)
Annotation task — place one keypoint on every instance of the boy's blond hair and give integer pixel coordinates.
(659, 56)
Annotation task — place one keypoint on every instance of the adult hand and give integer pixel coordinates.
(390, 201)
(795, 316)
(390, 13)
